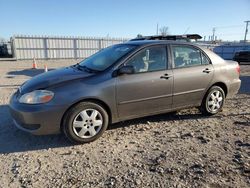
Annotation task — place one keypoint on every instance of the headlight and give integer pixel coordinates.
(36, 97)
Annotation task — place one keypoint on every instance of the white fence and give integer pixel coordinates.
(44, 47)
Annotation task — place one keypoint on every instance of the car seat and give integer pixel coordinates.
(179, 62)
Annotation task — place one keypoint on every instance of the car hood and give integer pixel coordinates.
(58, 76)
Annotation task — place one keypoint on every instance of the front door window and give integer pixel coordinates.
(149, 59)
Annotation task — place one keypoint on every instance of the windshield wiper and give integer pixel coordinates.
(87, 69)
(78, 66)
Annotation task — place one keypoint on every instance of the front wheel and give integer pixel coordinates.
(213, 101)
(85, 122)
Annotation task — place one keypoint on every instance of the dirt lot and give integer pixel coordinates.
(181, 150)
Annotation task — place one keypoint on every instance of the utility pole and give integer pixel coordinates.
(157, 28)
(246, 31)
(213, 37)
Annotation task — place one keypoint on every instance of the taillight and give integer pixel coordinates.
(238, 68)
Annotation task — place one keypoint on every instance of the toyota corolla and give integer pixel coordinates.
(121, 82)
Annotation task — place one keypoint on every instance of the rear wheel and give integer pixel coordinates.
(213, 101)
(85, 122)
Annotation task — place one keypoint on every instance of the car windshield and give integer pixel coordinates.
(106, 57)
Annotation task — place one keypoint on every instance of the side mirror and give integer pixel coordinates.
(127, 69)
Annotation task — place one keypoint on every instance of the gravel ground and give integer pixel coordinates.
(181, 150)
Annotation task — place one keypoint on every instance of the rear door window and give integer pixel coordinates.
(205, 60)
(188, 56)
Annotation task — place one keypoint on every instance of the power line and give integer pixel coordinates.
(228, 34)
(229, 26)
(186, 31)
(213, 36)
(220, 27)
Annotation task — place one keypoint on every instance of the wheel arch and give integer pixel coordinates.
(222, 85)
(94, 100)
(203, 107)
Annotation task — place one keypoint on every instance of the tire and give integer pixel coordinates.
(172, 113)
(85, 122)
(213, 101)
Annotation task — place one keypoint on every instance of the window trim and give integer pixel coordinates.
(191, 46)
(165, 46)
(206, 56)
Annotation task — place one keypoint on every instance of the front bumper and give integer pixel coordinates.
(40, 119)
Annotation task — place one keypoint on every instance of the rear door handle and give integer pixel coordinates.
(166, 76)
(207, 70)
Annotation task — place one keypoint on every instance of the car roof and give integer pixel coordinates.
(155, 42)
(208, 52)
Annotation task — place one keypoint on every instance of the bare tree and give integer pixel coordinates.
(164, 31)
(139, 36)
(2, 40)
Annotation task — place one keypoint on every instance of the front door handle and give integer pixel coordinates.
(166, 76)
(207, 70)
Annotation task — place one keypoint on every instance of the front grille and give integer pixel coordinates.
(30, 126)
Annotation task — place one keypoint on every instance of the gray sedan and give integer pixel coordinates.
(121, 82)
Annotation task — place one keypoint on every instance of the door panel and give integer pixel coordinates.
(192, 72)
(190, 84)
(149, 89)
(144, 93)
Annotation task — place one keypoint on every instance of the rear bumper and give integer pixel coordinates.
(233, 88)
(39, 119)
